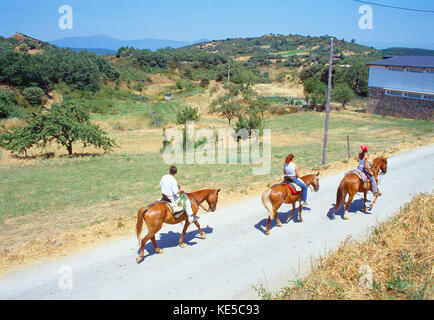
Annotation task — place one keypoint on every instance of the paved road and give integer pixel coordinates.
(236, 254)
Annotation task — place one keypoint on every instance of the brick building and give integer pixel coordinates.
(402, 86)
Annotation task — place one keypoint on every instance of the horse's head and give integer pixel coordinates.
(313, 181)
(212, 199)
(380, 164)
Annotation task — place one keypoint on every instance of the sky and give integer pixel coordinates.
(191, 20)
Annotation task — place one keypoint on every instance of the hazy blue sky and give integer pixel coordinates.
(190, 20)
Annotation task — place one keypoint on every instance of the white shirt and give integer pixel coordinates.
(169, 186)
(290, 169)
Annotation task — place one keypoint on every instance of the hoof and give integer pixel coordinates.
(267, 233)
(279, 225)
(203, 236)
(182, 245)
(139, 259)
(160, 251)
(346, 217)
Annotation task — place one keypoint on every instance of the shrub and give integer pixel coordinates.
(33, 95)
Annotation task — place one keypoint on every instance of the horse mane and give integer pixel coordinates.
(378, 161)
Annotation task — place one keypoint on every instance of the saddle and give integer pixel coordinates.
(177, 210)
(362, 176)
(295, 188)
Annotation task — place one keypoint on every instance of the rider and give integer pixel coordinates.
(363, 166)
(290, 171)
(170, 190)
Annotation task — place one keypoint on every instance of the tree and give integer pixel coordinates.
(8, 103)
(343, 94)
(68, 122)
(226, 107)
(33, 95)
(187, 114)
(20, 139)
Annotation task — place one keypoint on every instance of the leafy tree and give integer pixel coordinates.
(8, 103)
(20, 139)
(249, 122)
(343, 94)
(187, 114)
(226, 107)
(33, 95)
(68, 122)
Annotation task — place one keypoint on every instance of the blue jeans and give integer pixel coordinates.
(373, 183)
(303, 186)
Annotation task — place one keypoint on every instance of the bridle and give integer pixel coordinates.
(310, 184)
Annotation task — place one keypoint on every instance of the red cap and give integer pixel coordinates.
(364, 147)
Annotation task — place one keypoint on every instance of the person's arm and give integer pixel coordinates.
(284, 171)
(367, 166)
(296, 171)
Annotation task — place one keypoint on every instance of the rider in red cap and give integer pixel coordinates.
(363, 165)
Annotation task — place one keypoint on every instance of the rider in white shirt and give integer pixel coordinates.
(170, 190)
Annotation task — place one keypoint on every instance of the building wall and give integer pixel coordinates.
(382, 77)
(402, 107)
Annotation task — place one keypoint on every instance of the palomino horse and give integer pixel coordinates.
(275, 196)
(351, 184)
(158, 213)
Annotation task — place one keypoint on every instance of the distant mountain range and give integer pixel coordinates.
(109, 43)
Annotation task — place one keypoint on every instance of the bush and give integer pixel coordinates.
(8, 104)
(33, 95)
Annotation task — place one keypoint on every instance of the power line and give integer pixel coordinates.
(393, 7)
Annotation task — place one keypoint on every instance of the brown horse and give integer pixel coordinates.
(158, 213)
(275, 196)
(351, 184)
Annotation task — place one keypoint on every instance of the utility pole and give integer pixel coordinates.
(329, 89)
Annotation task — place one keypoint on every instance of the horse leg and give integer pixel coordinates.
(350, 199)
(200, 231)
(154, 242)
(300, 210)
(275, 208)
(184, 230)
(372, 203)
(268, 225)
(142, 247)
(364, 199)
(292, 213)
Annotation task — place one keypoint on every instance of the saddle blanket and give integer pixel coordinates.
(362, 175)
(295, 188)
(176, 210)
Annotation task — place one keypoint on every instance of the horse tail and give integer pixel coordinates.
(340, 196)
(267, 202)
(140, 218)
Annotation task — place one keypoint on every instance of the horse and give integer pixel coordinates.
(276, 195)
(158, 213)
(351, 184)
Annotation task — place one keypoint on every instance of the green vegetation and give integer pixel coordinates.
(64, 123)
